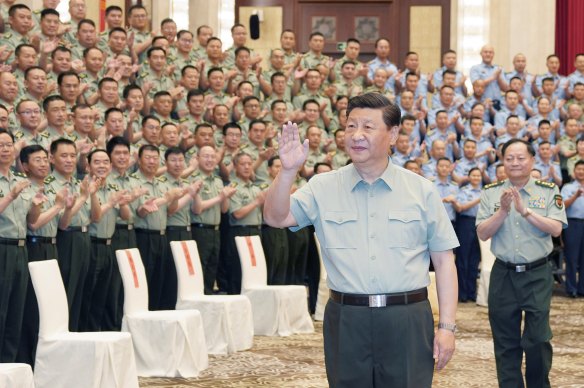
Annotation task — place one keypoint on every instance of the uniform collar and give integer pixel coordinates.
(61, 179)
(353, 177)
(528, 188)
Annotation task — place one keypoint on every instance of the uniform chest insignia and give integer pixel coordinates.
(162, 178)
(144, 74)
(536, 202)
(113, 187)
(558, 201)
(18, 135)
(82, 75)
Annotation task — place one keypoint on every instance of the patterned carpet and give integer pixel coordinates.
(297, 361)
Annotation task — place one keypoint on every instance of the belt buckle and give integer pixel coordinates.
(84, 229)
(162, 232)
(53, 240)
(21, 243)
(377, 301)
(130, 226)
(108, 241)
(520, 268)
(188, 228)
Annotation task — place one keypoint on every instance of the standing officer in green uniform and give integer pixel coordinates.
(16, 209)
(521, 215)
(379, 225)
(41, 240)
(245, 217)
(150, 223)
(113, 202)
(211, 200)
(73, 242)
(178, 223)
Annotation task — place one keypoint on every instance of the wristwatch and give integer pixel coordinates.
(527, 212)
(447, 326)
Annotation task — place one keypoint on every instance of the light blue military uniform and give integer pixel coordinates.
(484, 71)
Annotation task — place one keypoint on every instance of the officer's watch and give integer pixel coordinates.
(527, 212)
(447, 326)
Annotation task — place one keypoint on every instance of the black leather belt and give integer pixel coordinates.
(13, 241)
(205, 226)
(247, 226)
(380, 300)
(104, 241)
(82, 229)
(151, 231)
(523, 267)
(178, 228)
(41, 239)
(124, 226)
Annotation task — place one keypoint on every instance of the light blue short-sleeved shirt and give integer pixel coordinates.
(375, 238)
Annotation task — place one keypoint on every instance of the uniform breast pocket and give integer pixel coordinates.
(340, 229)
(405, 229)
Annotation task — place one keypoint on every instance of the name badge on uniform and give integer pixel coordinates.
(497, 206)
(536, 202)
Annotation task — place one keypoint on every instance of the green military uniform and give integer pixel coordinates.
(12, 39)
(101, 265)
(41, 245)
(230, 57)
(19, 75)
(13, 271)
(376, 239)
(124, 238)
(190, 122)
(71, 36)
(41, 138)
(86, 78)
(74, 247)
(267, 75)
(261, 173)
(250, 77)
(571, 163)
(218, 98)
(340, 159)
(13, 123)
(180, 61)
(200, 53)
(159, 83)
(178, 228)
(249, 225)
(349, 89)
(289, 57)
(360, 81)
(521, 282)
(276, 250)
(102, 39)
(310, 60)
(386, 92)
(151, 237)
(314, 157)
(191, 153)
(139, 38)
(566, 145)
(205, 228)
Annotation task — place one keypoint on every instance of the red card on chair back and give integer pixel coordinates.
(133, 268)
(251, 251)
(188, 257)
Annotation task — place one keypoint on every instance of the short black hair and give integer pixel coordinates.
(390, 111)
(56, 143)
(173, 151)
(95, 151)
(116, 141)
(29, 150)
(530, 149)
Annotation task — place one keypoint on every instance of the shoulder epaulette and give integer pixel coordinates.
(37, 11)
(263, 186)
(133, 175)
(162, 178)
(7, 35)
(113, 186)
(82, 75)
(19, 174)
(243, 146)
(183, 180)
(549, 185)
(49, 179)
(430, 132)
(45, 134)
(144, 74)
(18, 135)
(494, 184)
(183, 119)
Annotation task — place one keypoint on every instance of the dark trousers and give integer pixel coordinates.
(152, 247)
(511, 294)
(233, 264)
(208, 244)
(379, 347)
(574, 253)
(37, 251)
(169, 290)
(468, 256)
(74, 254)
(13, 286)
(298, 254)
(112, 318)
(222, 266)
(97, 286)
(312, 270)
(276, 250)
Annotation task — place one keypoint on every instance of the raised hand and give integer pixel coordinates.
(18, 188)
(292, 152)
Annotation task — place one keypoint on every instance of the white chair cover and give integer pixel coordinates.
(277, 310)
(167, 343)
(64, 359)
(487, 261)
(227, 319)
(16, 376)
(323, 290)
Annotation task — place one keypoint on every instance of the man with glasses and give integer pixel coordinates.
(29, 115)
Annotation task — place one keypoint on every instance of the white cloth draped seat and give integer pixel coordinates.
(80, 360)
(277, 310)
(14, 375)
(227, 319)
(487, 261)
(322, 296)
(166, 343)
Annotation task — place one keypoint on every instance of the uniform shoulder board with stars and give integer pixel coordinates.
(82, 75)
(49, 179)
(162, 178)
(494, 184)
(7, 35)
(45, 134)
(183, 119)
(18, 135)
(133, 175)
(263, 186)
(113, 187)
(549, 185)
(144, 74)
(20, 175)
(185, 181)
(243, 146)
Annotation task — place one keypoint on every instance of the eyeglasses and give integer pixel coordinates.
(29, 112)
(6, 145)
